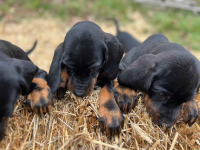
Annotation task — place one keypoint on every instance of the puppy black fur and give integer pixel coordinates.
(17, 74)
(86, 52)
(167, 73)
(89, 56)
(127, 40)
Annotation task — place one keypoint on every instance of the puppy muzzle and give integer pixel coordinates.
(81, 91)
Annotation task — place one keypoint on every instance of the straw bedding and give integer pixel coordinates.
(73, 122)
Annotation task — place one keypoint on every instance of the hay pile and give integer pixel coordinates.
(73, 122)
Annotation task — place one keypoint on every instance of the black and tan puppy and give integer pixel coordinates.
(20, 76)
(127, 40)
(88, 57)
(168, 74)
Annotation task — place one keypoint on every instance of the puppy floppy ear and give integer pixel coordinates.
(140, 74)
(113, 54)
(55, 69)
(26, 71)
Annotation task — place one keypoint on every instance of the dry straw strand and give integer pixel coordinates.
(174, 141)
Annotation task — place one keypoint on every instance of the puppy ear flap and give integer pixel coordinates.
(140, 74)
(55, 69)
(122, 66)
(113, 54)
(26, 71)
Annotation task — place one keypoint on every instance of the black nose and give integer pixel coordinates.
(79, 93)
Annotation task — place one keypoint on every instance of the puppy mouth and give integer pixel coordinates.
(82, 89)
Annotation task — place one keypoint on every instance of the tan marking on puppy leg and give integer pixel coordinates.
(62, 87)
(111, 119)
(64, 78)
(41, 82)
(40, 97)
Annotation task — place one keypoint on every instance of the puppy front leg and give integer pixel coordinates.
(111, 119)
(63, 83)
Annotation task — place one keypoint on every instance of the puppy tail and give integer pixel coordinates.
(116, 23)
(34, 45)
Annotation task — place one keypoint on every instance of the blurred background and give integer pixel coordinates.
(24, 21)
(48, 21)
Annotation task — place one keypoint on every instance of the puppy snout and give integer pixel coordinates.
(80, 90)
(79, 93)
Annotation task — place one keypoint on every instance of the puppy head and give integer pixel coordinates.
(86, 52)
(163, 110)
(15, 79)
(83, 64)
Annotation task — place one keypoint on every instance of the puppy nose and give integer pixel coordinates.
(79, 93)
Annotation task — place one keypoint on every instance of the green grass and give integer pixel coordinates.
(79, 8)
(4, 8)
(180, 26)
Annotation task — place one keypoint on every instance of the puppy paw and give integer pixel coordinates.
(40, 99)
(125, 97)
(111, 122)
(190, 112)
